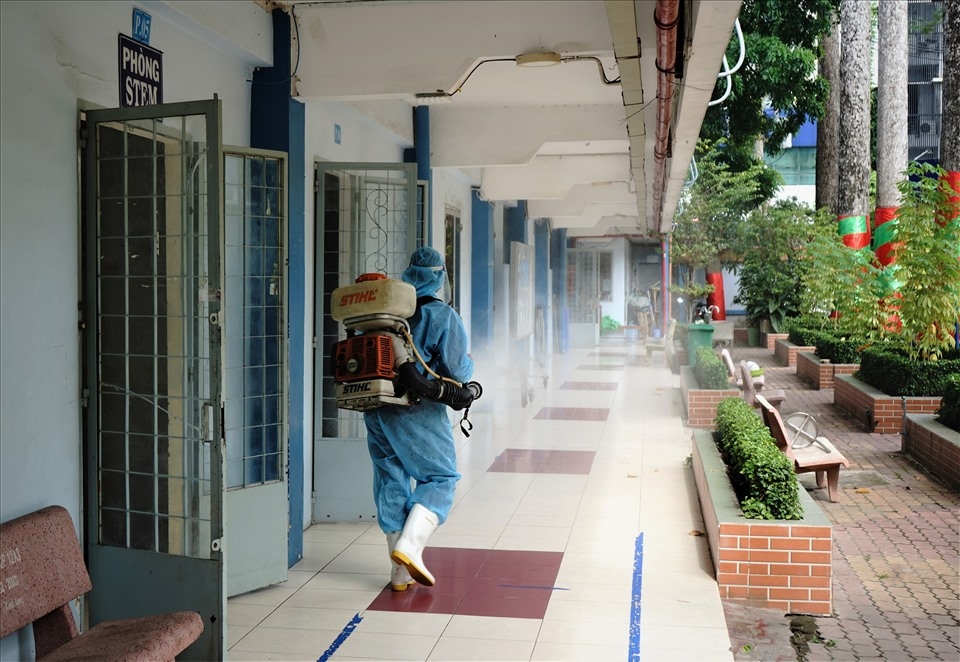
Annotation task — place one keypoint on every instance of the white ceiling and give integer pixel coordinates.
(559, 137)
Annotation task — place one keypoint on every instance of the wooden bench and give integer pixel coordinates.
(810, 453)
(749, 392)
(42, 571)
(664, 344)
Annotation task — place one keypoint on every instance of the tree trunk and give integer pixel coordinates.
(950, 122)
(828, 128)
(893, 52)
(891, 101)
(854, 194)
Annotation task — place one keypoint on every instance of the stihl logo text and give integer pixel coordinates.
(359, 297)
(356, 388)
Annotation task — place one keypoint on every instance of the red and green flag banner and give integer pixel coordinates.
(884, 226)
(854, 230)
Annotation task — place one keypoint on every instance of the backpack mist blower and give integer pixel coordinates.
(376, 364)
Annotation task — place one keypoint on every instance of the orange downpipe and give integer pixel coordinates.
(665, 16)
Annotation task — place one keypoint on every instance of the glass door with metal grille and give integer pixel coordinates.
(154, 471)
(366, 221)
(583, 297)
(255, 374)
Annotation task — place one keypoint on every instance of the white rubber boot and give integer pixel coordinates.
(400, 579)
(408, 551)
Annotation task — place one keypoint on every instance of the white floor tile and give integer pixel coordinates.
(392, 622)
(457, 649)
(309, 618)
(548, 651)
(387, 646)
(247, 614)
(289, 641)
(483, 627)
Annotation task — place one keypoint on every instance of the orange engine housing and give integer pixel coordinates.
(368, 356)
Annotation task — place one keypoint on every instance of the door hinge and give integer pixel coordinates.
(315, 345)
(83, 138)
(84, 398)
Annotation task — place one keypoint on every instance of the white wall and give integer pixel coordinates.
(55, 56)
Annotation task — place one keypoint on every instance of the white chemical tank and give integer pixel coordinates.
(373, 295)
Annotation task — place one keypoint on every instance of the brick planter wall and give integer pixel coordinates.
(769, 340)
(786, 352)
(700, 404)
(821, 375)
(933, 445)
(774, 564)
(885, 411)
(740, 336)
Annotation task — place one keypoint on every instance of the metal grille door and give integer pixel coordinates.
(152, 305)
(366, 222)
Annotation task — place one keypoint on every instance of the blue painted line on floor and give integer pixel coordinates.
(342, 637)
(633, 652)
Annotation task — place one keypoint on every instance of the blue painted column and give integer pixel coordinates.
(515, 229)
(421, 147)
(277, 122)
(515, 226)
(481, 274)
(558, 257)
(541, 261)
(541, 284)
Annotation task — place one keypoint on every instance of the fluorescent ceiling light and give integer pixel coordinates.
(432, 98)
(547, 59)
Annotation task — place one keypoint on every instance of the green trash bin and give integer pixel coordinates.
(698, 335)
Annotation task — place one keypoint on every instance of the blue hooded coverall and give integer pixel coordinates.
(417, 442)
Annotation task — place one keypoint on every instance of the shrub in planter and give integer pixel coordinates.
(838, 349)
(762, 476)
(949, 412)
(709, 370)
(895, 373)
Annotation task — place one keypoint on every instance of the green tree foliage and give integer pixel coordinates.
(847, 291)
(928, 263)
(840, 289)
(778, 75)
(772, 243)
(706, 227)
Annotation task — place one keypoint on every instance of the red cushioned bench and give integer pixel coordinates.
(42, 570)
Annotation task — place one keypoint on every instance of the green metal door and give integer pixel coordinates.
(154, 469)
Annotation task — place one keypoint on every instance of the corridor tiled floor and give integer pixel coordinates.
(574, 537)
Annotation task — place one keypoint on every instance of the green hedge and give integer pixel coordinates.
(762, 476)
(709, 370)
(895, 373)
(829, 346)
(949, 412)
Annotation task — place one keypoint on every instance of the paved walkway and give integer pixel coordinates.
(896, 550)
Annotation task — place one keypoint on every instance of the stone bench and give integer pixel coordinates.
(810, 453)
(42, 571)
(748, 389)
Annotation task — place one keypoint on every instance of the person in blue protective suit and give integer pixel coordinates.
(415, 444)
